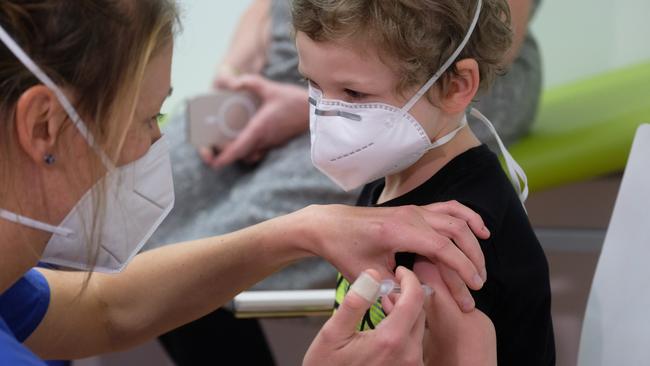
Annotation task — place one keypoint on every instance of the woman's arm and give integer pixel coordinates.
(159, 290)
(165, 288)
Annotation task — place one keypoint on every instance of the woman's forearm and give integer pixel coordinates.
(162, 289)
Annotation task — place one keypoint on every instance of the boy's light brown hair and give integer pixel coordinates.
(416, 36)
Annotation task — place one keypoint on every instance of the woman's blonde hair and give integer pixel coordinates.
(96, 49)
(418, 36)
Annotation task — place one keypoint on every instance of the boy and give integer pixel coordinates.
(377, 112)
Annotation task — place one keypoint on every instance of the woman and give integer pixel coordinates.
(81, 91)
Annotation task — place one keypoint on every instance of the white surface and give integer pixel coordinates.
(616, 329)
(284, 301)
(582, 38)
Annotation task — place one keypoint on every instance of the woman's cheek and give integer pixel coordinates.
(135, 146)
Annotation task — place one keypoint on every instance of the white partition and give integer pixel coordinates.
(616, 328)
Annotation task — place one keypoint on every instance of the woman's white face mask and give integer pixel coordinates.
(135, 200)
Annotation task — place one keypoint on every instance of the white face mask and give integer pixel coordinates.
(136, 197)
(356, 143)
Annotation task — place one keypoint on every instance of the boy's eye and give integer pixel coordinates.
(355, 94)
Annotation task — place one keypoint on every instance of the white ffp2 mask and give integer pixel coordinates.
(354, 144)
(136, 198)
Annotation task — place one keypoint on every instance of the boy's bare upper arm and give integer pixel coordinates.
(453, 337)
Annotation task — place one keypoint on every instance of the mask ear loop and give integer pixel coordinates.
(26, 221)
(448, 137)
(448, 63)
(65, 103)
(515, 172)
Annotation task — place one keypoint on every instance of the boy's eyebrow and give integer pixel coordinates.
(353, 83)
(343, 83)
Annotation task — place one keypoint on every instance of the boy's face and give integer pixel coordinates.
(353, 72)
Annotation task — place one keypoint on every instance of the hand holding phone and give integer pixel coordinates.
(215, 119)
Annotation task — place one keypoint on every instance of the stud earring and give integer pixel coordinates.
(49, 159)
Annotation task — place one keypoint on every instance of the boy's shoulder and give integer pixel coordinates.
(475, 178)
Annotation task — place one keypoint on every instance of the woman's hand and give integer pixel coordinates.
(397, 340)
(354, 238)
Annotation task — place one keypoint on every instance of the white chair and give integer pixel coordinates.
(616, 327)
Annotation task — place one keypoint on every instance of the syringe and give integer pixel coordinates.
(389, 286)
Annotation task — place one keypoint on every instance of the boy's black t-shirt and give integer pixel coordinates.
(517, 294)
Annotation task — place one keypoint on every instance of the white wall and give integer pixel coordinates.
(580, 38)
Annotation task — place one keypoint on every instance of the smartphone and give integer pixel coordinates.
(215, 119)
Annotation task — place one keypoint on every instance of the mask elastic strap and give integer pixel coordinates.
(448, 63)
(515, 172)
(26, 221)
(446, 138)
(65, 103)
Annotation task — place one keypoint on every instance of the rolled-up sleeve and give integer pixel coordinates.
(23, 306)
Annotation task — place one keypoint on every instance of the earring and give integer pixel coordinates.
(49, 159)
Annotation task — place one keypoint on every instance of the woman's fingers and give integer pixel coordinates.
(458, 230)
(460, 211)
(441, 249)
(457, 288)
(362, 294)
(406, 312)
(396, 341)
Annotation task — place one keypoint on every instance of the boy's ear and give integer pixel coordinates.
(462, 87)
(38, 120)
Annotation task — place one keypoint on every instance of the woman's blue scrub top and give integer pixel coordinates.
(22, 308)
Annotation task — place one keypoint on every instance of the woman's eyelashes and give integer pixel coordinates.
(158, 119)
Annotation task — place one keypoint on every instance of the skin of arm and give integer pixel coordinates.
(159, 290)
(170, 286)
(453, 337)
(247, 51)
(520, 11)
